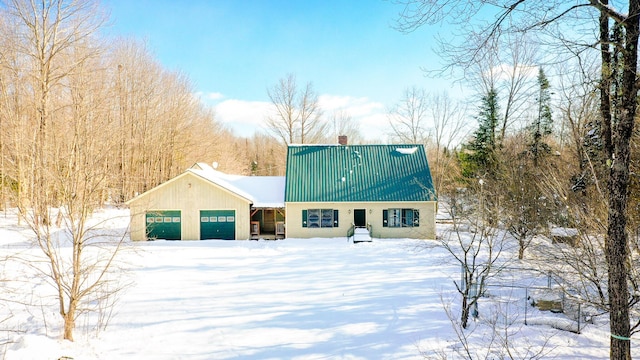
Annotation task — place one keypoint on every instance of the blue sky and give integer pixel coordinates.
(233, 50)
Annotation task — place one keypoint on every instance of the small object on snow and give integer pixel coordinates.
(547, 300)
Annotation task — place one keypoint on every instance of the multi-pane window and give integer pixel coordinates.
(400, 218)
(320, 218)
(166, 219)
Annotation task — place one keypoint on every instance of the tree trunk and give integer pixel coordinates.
(464, 319)
(605, 82)
(616, 246)
(521, 242)
(70, 321)
(617, 255)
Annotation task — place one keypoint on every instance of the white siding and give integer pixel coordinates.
(189, 194)
(373, 211)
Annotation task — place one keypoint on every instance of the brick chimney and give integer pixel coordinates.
(342, 140)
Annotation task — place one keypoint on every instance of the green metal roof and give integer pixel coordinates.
(335, 173)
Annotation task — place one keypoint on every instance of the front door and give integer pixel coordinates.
(360, 217)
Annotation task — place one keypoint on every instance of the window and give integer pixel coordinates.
(320, 218)
(327, 218)
(401, 218)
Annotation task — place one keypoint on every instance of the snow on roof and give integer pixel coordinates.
(262, 191)
(407, 151)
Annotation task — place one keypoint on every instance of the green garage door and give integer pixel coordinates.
(218, 224)
(163, 224)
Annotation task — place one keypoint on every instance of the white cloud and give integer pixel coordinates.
(354, 106)
(248, 117)
(243, 117)
(214, 96)
(209, 97)
(370, 115)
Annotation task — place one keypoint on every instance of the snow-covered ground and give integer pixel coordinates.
(287, 299)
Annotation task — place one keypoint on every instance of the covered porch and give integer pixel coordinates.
(267, 223)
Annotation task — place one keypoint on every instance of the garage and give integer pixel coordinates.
(164, 224)
(207, 204)
(217, 224)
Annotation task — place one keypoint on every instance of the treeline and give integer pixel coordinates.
(536, 142)
(73, 100)
(87, 120)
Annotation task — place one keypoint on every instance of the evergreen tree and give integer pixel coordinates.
(542, 125)
(478, 157)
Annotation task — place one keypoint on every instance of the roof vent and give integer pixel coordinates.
(342, 140)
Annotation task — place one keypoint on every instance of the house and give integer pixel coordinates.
(385, 188)
(203, 203)
(328, 191)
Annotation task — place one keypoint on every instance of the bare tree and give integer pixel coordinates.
(46, 32)
(266, 156)
(617, 34)
(517, 75)
(284, 122)
(508, 66)
(87, 275)
(578, 108)
(312, 126)
(297, 116)
(448, 129)
(83, 124)
(449, 118)
(408, 118)
(478, 251)
(523, 204)
(162, 127)
(341, 123)
(500, 341)
(66, 158)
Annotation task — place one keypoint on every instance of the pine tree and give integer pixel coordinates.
(479, 155)
(542, 125)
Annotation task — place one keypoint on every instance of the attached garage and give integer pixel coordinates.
(163, 224)
(217, 224)
(203, 203)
